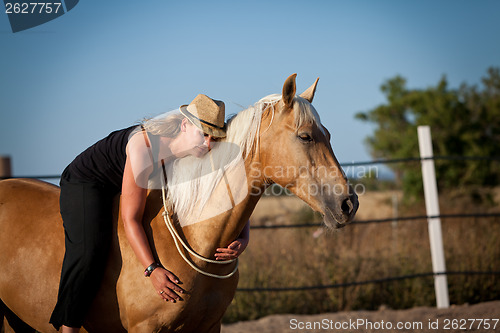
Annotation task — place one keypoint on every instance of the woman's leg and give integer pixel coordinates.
(86, 211)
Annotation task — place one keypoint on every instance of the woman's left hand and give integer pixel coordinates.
(232, 251)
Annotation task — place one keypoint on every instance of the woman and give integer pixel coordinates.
(124, 161)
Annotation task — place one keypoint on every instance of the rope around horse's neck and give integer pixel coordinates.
(178, 239)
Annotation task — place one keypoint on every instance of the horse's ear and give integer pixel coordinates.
(289, 90)
(309, 93)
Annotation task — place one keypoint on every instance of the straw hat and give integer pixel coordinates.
(207, 114)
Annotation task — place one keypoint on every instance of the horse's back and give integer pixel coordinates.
(31, 249)
(22, 194)
(27, 207)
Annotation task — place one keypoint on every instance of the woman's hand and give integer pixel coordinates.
(165, 284)
(233, 250)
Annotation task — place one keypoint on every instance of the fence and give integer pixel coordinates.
(434, 224)
(384, 279)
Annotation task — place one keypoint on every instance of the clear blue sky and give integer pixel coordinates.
(106, 64)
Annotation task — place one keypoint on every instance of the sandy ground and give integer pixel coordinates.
(462, 318)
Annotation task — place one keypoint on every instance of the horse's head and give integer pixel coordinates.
(295, 153)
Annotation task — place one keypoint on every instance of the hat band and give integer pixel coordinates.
(203, 121)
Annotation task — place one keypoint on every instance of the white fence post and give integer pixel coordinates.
(434, 223)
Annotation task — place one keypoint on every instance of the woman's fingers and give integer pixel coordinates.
(171, 276)
(226, 254)
(165, 282)
(169, 295)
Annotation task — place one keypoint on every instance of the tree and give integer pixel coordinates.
(464, 122)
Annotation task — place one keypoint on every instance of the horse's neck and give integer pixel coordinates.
(205, 237)
(219, 231)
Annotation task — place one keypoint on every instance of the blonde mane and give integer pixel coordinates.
(191, 181)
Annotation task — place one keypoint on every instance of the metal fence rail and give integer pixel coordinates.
(389, 219)
(346, 164)
(359, 283)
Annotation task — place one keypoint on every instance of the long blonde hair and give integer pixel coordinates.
(168, 126)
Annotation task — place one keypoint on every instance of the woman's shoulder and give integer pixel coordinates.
(138, 143)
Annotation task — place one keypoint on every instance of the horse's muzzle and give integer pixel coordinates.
(343, 212)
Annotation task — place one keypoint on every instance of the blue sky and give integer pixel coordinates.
(107, 64)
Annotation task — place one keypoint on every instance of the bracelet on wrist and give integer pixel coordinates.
(150, 269)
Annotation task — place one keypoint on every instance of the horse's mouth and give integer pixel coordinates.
(331, 221)
(337, 220)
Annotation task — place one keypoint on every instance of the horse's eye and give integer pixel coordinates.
(305, 137)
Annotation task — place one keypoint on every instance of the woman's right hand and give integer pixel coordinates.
(166, 284)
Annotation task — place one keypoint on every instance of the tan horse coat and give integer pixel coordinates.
(32, 237)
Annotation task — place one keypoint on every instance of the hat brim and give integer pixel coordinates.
(210, 130)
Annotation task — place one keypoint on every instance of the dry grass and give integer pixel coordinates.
(312, 256)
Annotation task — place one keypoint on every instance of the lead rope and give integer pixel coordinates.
(177, 238)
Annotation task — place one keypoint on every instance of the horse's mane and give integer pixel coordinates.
(192, 180)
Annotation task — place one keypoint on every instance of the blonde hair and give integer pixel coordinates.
(168, 126)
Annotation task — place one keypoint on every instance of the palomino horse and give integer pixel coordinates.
(282, 141)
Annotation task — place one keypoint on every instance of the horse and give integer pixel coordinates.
(282, 142)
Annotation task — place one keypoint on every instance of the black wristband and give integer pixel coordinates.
(151, 268)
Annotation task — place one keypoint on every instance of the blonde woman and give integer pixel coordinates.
(123, 162)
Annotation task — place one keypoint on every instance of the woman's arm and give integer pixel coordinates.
(133, 202)
(237, 247)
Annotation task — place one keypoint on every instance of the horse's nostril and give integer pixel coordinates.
(347, 206)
